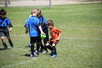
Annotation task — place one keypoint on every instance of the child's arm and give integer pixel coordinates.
(26, 31)
(10, 29)
(41, 30)
(58, 37)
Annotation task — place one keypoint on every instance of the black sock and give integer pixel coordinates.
(5, 46)
(45, 48)
(32, 49)
(41, 47)
(49, 47)
(10, 42)
(54, 50)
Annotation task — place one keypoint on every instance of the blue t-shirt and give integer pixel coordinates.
(5, 22)
(42, 22)
(32, 24)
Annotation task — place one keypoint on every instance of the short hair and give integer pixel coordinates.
(34, 11)
(39, 12)
(3, 12)
(50, 23)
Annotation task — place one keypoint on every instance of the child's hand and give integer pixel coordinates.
(10, 29)
(47, 44)
(42, 33)
(57, 38)
(26, 31)
(53, 44)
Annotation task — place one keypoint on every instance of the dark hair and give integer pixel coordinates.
(3, 12)
(50, 23)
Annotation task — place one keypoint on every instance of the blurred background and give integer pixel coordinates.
(6, 3)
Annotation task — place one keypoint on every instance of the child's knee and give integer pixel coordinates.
(2, 38)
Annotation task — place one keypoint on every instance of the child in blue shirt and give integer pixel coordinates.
(42, 21)
(34, 28)
(4, 31)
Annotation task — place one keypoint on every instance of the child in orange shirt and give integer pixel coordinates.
(55, 35)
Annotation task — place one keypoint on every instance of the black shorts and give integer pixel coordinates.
(2, 34)
(53, 43)
(34, 40)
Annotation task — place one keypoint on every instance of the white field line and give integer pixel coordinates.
(65, 37)
(20, 49)
(78, 28)
(85, 28)
(81, 38)
(19, 35)
(21, 63)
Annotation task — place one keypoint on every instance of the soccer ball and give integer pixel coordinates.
(43, 36)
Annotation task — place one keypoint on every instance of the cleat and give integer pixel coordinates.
(29, 45)
(5, 48)
(44, 52)
(54, 56)
(37, 52)
(33, 56)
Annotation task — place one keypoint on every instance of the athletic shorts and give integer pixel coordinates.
(51, 42)
(2, 34)
(35, 40)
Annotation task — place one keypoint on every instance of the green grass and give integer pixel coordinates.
(80, 45)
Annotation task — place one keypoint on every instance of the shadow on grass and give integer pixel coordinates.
(27, 55)
(4, 49)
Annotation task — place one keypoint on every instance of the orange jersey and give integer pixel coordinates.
(54, 34)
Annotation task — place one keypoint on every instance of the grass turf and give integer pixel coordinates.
(80, 44)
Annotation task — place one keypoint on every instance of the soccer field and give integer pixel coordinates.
(80, 45)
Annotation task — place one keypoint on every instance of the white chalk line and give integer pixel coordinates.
(18, 35)
(78, 28)
(21, 63)
(82, 38)
(85, 28)
(20, 49)
(65, 37)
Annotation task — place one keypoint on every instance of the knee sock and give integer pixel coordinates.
(5, 46)
(32, 49)
(54, 50)
(49, 47)
(10, 42)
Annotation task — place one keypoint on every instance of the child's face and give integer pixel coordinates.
(50, 27)
(3, 16)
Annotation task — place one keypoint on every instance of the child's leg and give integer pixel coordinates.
(54, 50)
(38, 46)
(8, 37)
(32, 39)
(10, 41)
(41, 47)
(46, 39)
(32, 49)
(4, 43)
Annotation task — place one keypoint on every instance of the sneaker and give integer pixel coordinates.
(37, 52)
(5, 48)
(33, 56)
(54, 56)
(44, 52)
(29, 45)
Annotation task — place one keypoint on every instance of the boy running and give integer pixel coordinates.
(4, 31)
(55, 36)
